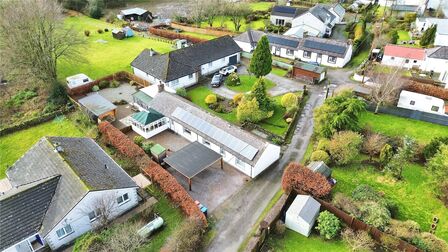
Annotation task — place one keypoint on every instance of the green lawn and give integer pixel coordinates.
(247, 81)
(358, 59)
(105, 55)
(228, 24)
(199, 35)
(13, 146)
(261, 6)
(293, 241)
(399, 126)
(413, 195)
(403, 35)
(279, 71)
(276, 124)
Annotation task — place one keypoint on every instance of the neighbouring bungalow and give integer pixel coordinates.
(282, 46)
(327, 52)
(402, 56)
(421, 102)
(98, 108)
(302, 214)
(183, 67)
(320, 167)
(441, 37)
(239, 148)
(437, 62)
(308, 72)
(136, 14)
(59, 186)
(283, 15)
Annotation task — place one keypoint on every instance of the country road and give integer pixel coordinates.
(236, 216)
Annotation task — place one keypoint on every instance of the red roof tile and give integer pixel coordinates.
(404, 52)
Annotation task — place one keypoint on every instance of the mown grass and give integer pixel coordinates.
(359, 58)
(293, 241)
(103, 54)
(228, 24)
(199, 35)
(247, 81)
(279, 71)
(261, 6)
(14, 145)
(403, 35)
(398, 126)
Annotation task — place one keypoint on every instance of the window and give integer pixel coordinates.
(415, 61)
(412, 103)
(210, 64)
(63, 232)
(92, 216)
(406, 61)
(187, 131)
(435, 108)
(174, 82)
(306, 54)
(331, 59)
(239, 163)
(280, 22)
(392, 58)
(205, 142)
(289, 52)
(190, 76)
(123, 199)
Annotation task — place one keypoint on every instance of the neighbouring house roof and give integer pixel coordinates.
(147, 117)
(320, 167)
(438, 52)
(309, 67)
(234, 140)
(82, 166)
(136, 11)
(339, 9)
(300, 30)
(97, 104)
(404, 52)
(253, 36)
(22, 210)
(321, 13)
(442, 23)
(182, 62)
(142, 96)
(407, 8)
(192, 159)
(306, 208)
(330, 47)
(287, 11)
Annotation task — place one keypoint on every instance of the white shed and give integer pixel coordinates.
(302, 214)
(421, 102)
(77, 80)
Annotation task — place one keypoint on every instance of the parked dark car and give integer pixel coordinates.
(217, 80)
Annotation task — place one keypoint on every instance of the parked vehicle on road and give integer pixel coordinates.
(217, 80)
(228, 70)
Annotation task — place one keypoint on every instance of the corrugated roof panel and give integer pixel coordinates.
(219, 135)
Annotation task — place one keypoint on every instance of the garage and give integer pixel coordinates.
(233, 60)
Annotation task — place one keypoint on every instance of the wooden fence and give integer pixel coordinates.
(119, 76)
(208, 31)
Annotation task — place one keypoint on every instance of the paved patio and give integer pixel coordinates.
(213, 185)
(122, 92)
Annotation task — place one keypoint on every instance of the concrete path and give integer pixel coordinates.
(237, 215)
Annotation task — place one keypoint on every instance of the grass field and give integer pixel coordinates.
(261, 6)
(292, 241)
(199, 35)
(228, 24)
(103, 54)
(403, 36)
(276, 124)
(247, 81)
(359, 58)
(279, 71)
(13, 146)
(398, 126)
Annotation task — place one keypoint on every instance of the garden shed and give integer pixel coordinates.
(158, 152)
(302, 214)
(320, 167)
(309, 72)
(98, 108)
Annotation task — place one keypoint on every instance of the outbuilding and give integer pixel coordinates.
(148, 123)
(98, 108)
(136, 14)
(302, 214)
(309, 72)
(421, 102)
(77, 80)
(320, 167)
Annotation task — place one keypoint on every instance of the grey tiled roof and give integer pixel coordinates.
(167, 103)
(320, 12)
(22, 210)
(185, 61)
(287, 11)
(330, 47)
(253, 36)
(81, 167)
(439, 52)
(309, 209)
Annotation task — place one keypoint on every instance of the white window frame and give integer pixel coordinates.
(305, 53)
(332, 61)
(435, 108)
(205, 142)
(210, 64)
(66, 232)
(122, 197)
(190, 76)
(95, 216)
(239, 162)
(222, 152)
(412, 103)
(289, 52)
(187, 131)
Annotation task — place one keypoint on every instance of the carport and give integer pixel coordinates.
(192, 160)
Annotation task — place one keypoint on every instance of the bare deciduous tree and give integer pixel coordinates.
(238, 13)
(212, 11)
(103, 208)
(386, 85)
(33, 38)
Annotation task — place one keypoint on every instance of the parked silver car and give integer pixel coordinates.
(228, 70)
